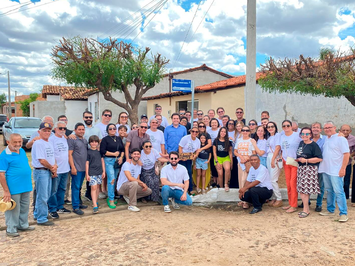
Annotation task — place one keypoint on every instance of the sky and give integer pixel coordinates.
(188, 32)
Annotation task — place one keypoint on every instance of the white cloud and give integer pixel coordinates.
(232, 68)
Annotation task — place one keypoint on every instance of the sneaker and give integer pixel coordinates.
(64, 210)
(88, 198)
(318, 208)
(175, 205)
(126, 199)
(78, 212)
(343, 218)
(48, 223)
(12, 234)
(30, 228)
(167, 208)
(54, 215)
(133, 209)
(81, 206)
(95, 210)
(67, 202)
(102, 195)
(327, 213)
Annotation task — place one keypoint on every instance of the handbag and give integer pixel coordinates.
(291, 161)
(116, 165)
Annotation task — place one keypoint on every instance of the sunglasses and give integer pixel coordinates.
(194, 131)
(158, 109)
(88, 117)
(107, 115)
(231, 124)
(144, 127)
(305, 134)
(238, 112)
(134, 127)
(270, 127)
(111, 128)
(252, 124)
(63, 120)
(125, 117)
(199, 114)
(174, 158)
(182, 113)
(201, 126)
(220, 112)
(62, 128)
(245, 130)
(149, 146)
(286, 125)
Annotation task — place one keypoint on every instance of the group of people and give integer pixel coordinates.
(155, 161)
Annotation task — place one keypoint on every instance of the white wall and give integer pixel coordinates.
(93, 106)
(51, 98)
(43, 108)
(74, 112)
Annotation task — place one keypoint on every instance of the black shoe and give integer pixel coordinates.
(88, 198)
(81, 206)
(48, 223)
(255, 210)
(78, 212)
(318, 208)
(64, 210)
(54, 215)
(67, 202)
(214, 184)
(301, 205)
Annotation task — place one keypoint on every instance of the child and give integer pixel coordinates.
(95, 170)
(201, 164)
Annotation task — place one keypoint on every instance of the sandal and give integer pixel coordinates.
(291, 210)
(240, 204)
(277, 203)
(271, 202)
(286, 207)
(226, 188)
(110, 205)
(198, 190)
(95, 210)
(352, 204)
(245, 206)
(303, 214)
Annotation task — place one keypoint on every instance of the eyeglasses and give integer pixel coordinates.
(286, 125)
(270, 127)
(144, 127)
(220, 112)
(199, 114)
(158, 109)
(238, 112)
(62, 128)
(194, 131)
(88, 117)
(107, 115)
(148, 146)
(245, 130)
(252, 124)
(111, 128)
(305, 134)
(174, 158)
(202, 126)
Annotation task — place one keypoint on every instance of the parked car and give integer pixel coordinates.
(25, 126)
(3, 119)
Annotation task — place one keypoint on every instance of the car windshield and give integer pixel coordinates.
(27, 123)
(3, 118)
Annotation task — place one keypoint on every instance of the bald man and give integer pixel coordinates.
(346, 130)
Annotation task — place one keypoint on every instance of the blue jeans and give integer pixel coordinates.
(335, 189)
(188, 165)
(167, 192)
(43, 183)
(347, 178)
(59, 185)
(76, 182)
(321, 186)
(111, 173)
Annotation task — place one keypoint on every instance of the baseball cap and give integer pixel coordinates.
(144, 115)
(45, 125)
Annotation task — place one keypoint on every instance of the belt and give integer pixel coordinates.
(41, 168)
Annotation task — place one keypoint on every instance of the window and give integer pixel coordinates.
(186, 105)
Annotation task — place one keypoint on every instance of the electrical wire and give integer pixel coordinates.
(17, 5)
(1, 15)
(202, 20)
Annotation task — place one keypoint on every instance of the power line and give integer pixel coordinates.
(29, 8)
(18, 5)
(202, 20)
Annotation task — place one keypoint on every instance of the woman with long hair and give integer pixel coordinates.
(123, 121)
(222, 154)
(260, 144)
(252, 126)
(213, 131)
(206, 120)
(201, 163)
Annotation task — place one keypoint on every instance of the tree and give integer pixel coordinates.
(333, 76)
(107, 67)
(25, 104)
(2, 99)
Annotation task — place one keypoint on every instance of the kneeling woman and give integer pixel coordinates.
(149, 156)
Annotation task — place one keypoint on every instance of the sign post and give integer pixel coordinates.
(185, 85)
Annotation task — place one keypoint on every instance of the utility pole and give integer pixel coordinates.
(250, 77)
(15, 104)
(9, 93)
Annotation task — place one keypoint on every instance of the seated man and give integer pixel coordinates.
(175, 181)
(258, 187)
(129, 185)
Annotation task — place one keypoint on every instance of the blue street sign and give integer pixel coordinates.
(182, 85)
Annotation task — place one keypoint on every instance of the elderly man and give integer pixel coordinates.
(63, 118)
(346, 130)
(295, 127)
(136, 138)
(35, 135)
(333, 167)
(129, 184)
(78, 149)
(156, 136)
(44, 169)
(15, 179)
(105, 119)
(258, 188)
(175, 181)
(60, 145)
(158, 111)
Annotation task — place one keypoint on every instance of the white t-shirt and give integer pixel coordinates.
(89, 131)
(61, 154)
(231, 136)
(220, 122)
(272, 142)
(157, 138)
(175, 176)
(262, 175)
(102, 128)
(262, 146)
(244, 147)
(333, 154)
(164, 121)
(189, 145)
(42, 149)
(135, 171)
(213, 133)
(127, 126)
(149, 160)
(289, 145)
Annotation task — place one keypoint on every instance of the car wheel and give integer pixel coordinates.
(4, 140)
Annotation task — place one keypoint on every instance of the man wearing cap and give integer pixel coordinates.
(158, 111)
(44, 169)
(136, 138)
(144, 119)
(15, 179)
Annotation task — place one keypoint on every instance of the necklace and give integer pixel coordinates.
(113, 138)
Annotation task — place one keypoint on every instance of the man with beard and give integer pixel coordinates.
(63, 118)
(15, 179)
(175, 181)
(89, 128)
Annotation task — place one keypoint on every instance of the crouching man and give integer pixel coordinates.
(175, 181)
(258, 188)
(129, 184)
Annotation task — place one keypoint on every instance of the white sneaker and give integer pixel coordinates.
(343, 218)
(102, 195)
(126, 199)
(327, 213)
(167, 208)
(175, 205)
(133, 209)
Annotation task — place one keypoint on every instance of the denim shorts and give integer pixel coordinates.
(201, 163)
(95, 180)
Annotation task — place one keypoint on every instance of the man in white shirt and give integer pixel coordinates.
(158, 111)
(44, 169)
(258, 188)
(175, 181)
(89, 128)
(156, 136)
(105, 120)
(336, 155)
(129, 184)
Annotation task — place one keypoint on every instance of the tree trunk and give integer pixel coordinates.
(133, 115)
(351, 99)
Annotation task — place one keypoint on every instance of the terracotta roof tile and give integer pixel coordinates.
(202, 67)
(66, 92)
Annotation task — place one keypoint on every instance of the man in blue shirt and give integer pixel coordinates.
(15, 179)
(173, 134)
